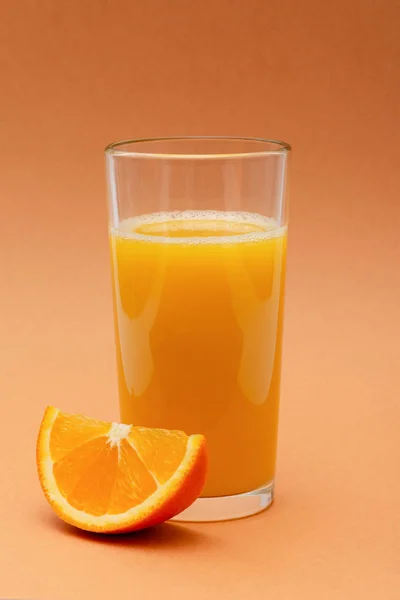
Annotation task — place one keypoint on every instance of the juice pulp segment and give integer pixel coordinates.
(198, 300)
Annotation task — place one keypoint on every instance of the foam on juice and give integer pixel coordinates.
(199, 227)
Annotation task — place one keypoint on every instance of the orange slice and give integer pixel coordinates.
(110, 478)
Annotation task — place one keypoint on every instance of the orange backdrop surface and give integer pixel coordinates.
(321, 75)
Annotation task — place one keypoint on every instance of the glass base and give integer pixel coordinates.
(227, 508)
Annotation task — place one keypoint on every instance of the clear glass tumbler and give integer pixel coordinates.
(198, 245)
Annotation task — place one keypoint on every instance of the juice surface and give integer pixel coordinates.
(198, 302)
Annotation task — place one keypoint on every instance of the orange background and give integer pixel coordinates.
(321, 75)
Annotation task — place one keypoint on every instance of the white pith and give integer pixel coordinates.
(118, 432)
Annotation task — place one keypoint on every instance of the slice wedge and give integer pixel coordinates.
(113, 478)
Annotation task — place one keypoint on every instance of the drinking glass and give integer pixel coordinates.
(198, 246)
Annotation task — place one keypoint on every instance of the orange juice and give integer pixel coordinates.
(198, 309)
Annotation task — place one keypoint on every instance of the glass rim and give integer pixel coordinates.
(116, 148)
